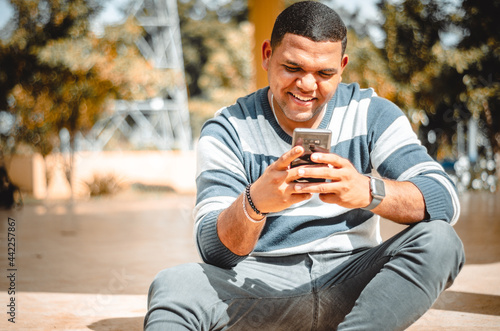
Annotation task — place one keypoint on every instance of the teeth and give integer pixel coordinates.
(301, 98)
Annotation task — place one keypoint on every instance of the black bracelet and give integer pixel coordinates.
(250, 202)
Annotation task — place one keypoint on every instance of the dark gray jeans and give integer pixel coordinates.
(387, 287)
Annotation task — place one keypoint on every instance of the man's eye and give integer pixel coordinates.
(326, 74)
(292, 69)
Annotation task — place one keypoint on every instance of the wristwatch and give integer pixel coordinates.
(377, 190)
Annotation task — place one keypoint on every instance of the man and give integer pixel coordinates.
(283, 255)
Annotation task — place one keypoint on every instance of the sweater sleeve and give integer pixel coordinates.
(221, 178)
(397, 153)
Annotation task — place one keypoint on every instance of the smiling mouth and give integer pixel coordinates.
(298, 97)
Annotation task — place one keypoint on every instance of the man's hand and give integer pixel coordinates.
(403, 203)
(274, 191)
(347, 187)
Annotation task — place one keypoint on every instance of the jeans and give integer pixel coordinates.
(387, 287)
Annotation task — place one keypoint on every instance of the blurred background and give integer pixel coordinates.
(97, 97)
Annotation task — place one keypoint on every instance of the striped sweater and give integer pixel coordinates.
(241, 141)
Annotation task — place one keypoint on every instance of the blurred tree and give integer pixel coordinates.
(214, 52)
(31, 89)
(479, 51)
(217, 55)
(58, 74)
(368, 67)
(412, 50)
(442, 85)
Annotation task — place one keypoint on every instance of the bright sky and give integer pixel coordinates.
(367, 8)
(5, 12)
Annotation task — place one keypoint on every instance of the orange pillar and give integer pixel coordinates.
(262, 14)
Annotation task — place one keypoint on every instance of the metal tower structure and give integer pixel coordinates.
(161, 122)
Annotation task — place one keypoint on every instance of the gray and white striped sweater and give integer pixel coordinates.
(241, 141)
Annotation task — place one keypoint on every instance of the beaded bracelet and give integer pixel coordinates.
(247, 192)
(247, 215)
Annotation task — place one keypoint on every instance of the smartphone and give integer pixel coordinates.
(313, 140)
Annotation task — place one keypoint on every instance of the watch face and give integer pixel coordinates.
(378, 187)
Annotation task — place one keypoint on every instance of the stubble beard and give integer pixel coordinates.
(286, 113)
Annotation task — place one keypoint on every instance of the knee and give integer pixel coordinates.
(170, 294)
(174, 280)
(440, 235)
(183, 298)
(440, 244)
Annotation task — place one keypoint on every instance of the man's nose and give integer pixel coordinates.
(307, 82)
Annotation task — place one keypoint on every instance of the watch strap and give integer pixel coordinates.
(376, 199)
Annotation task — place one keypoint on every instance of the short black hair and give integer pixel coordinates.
(312, 20)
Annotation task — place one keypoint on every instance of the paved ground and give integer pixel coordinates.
(88, 266)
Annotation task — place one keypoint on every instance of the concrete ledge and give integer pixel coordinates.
(175, 169)
(47, 178)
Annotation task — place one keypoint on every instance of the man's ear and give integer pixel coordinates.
(343, 64)
(266, 54)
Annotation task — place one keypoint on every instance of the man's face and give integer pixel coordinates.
(303, 75)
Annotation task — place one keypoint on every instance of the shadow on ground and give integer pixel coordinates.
(118, 324)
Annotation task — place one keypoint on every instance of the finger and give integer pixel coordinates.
(284, 161)
(330, 158)
(299, 197)
(319, 171)
(330, 198)
(315, 187)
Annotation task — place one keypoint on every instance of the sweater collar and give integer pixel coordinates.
(271, 118)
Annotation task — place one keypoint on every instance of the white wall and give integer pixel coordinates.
(176, 169)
